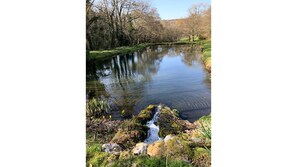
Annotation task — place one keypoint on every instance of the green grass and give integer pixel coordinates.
(206, 54)
(102, 159)
(146, 161)
(101, 54)
(92, 150)
(186, 39)
(176, 43)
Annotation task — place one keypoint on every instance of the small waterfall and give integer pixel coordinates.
(154, 129)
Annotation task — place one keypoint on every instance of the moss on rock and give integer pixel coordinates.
(134, 130)
(146, 114)
(128, 138)
(169, 123)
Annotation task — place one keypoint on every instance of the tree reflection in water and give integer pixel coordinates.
(124, 79)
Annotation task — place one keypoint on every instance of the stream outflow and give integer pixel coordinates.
(154, 129)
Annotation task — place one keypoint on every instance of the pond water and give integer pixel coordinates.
(169, 75)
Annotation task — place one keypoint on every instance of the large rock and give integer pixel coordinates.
(156, 148)
(127, 138)
(170, 123)
(140, 148)
(134, 130)
(146, 114)
(112, 148)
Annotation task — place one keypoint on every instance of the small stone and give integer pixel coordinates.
(140, 148)
(112, 148)
(168, 137)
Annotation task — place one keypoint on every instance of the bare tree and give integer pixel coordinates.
(113, 23)
(197, 21)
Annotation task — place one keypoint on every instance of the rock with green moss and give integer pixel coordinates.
(128, 139)
(134, 130)
(170, 123)
(146, 114)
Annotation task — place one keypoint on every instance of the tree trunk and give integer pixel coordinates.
(89, 42)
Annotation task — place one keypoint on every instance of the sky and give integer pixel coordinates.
(172, 9)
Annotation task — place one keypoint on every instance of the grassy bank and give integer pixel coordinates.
(95, 54)
(206, 54)
(98, 54)
(186, 39)
(177, 43)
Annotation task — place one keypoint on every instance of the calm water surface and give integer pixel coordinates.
(170, 75)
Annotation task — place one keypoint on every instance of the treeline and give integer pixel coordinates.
(113, 23)
(199, 21)
(197, 25)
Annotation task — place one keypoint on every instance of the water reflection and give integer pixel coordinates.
(172, 75)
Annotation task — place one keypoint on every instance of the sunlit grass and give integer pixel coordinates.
(186, 39)
(145, 160)
(206, 54)
(94, 54)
